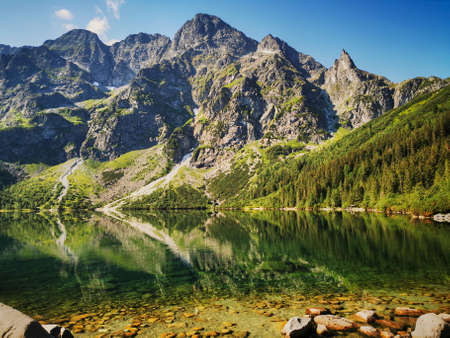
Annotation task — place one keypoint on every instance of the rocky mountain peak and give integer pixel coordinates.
(345, 60)
(75, 36)
(86, 50)
(271, 44)
(208, 32)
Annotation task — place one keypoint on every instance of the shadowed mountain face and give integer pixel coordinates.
(211, 87)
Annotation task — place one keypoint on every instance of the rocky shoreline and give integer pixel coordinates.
(315, 322)
(409, 322)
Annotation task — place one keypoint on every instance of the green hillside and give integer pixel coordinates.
(396, 162)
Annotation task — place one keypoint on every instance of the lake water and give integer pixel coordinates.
(149, 264)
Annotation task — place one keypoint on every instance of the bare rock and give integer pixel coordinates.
(334, 323)
(431, 325)
(298, 327)
(369, 331)
(15, 324)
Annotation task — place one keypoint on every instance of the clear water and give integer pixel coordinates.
(77, 263)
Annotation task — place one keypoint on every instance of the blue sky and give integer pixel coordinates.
(396, 38)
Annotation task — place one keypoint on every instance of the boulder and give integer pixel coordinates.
(334, 323)
(315, 311)
(369, 331)
(406, 311)
(365, 316)
(14, 324)
(298, 327)
(57, 331)
(431, 325)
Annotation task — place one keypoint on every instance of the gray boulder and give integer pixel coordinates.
(298, 327)
(431, 326)
(14, 324)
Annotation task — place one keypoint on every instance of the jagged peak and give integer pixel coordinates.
(345, 60)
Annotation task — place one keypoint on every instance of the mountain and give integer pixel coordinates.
(211, 92)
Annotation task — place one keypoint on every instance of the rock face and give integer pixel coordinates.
(298, 327)
(431, 326)
(14, 324)
(136, 52)
(228, 88)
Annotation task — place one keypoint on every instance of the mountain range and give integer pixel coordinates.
(210, 91)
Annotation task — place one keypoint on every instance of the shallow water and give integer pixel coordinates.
(228, 263)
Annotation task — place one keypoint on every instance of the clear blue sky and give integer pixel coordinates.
(398, 39)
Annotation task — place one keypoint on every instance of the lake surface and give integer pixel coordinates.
(53, 267)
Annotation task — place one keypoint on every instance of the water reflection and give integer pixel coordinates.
(50, 263)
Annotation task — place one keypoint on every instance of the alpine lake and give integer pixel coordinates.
(231, 273)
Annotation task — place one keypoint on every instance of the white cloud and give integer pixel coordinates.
(98, 25)
(112, 42)
(69, 26)
(64, 14)
(114, 5)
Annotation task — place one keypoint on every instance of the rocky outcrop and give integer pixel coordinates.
(145, 113)
(431, 325)
(49, 139)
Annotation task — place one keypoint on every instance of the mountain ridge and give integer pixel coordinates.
(210, 88)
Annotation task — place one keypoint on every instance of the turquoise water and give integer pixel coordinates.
(52, 266)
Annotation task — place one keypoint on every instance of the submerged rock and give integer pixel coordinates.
(369, 331)
(298, 327)
(365, 316)
(405, 311)
(431, 326)
(15, 324)
(334, 323)
(315, 311)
